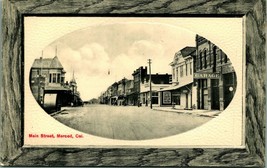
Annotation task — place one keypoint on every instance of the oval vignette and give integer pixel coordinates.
(97, 80)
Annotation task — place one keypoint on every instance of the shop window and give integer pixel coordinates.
(176, 99)
(204, 83)
(155, 98)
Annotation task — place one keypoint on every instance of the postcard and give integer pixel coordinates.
(134, 82)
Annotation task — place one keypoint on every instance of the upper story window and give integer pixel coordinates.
(173, 73)
(55, 78)
(205, 58)
(170, 79)
(191, 68)
(214, 58)
(177, 75)
(186, 69)
(225, 58)
(200, 60)
(181, 71)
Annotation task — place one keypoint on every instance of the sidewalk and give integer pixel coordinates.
(60, 111)
(203, 113)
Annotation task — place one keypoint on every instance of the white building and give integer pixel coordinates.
(182, 92)
(158, 82)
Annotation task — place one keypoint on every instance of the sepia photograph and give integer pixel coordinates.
(134, 79)
(133, 83)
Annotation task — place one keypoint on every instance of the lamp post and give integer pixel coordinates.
(150, 88)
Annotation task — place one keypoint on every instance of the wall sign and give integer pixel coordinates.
(206, 75)
(167, 97)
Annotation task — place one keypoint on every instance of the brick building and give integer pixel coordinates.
(214, 75)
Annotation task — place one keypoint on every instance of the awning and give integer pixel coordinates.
(175, 87)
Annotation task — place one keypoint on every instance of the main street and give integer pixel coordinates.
(127, 122)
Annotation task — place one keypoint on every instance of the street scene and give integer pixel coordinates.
(136, 89)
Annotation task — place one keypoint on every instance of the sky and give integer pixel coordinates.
(118, 48)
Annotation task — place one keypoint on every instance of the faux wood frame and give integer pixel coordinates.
(12, 153)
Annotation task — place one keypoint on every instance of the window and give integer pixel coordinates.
(62, 79)
(200, 60)
(176, 98)
(205, 59)
(225, 58)
(204, 83)
(50, 78)
(54, 78)
(181, 71)
(173, 74)
(58, 78)
(170, 79)
(221, 54)
(155, 98)
(186, 69)
(177, 75)
(190, 68)
(214, 58)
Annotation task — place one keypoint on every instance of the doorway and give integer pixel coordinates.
(215, 103)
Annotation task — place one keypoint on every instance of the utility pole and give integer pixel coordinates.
(150, 88)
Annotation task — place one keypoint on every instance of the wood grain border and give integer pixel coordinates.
(12, 153)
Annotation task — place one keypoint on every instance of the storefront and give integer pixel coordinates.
(214, 90)
(181, 97)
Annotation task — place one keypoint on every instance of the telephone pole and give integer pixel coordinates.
(150, 88)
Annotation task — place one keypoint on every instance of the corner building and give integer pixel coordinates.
(214, 76)
(182, 92)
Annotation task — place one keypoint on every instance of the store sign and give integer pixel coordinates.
(167, 97)
(206, 75)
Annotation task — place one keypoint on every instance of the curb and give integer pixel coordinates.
(179, 112)
(57, 112)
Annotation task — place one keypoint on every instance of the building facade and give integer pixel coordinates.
(182, 93)
(138, 78)
(158, 82)
(119, 93)
(47, 83)
(214, 75)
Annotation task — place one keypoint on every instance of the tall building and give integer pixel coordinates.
(47, 80)
(47, 83)
(182, 92)
(138, 78)
(214, 75)
(75, 100)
